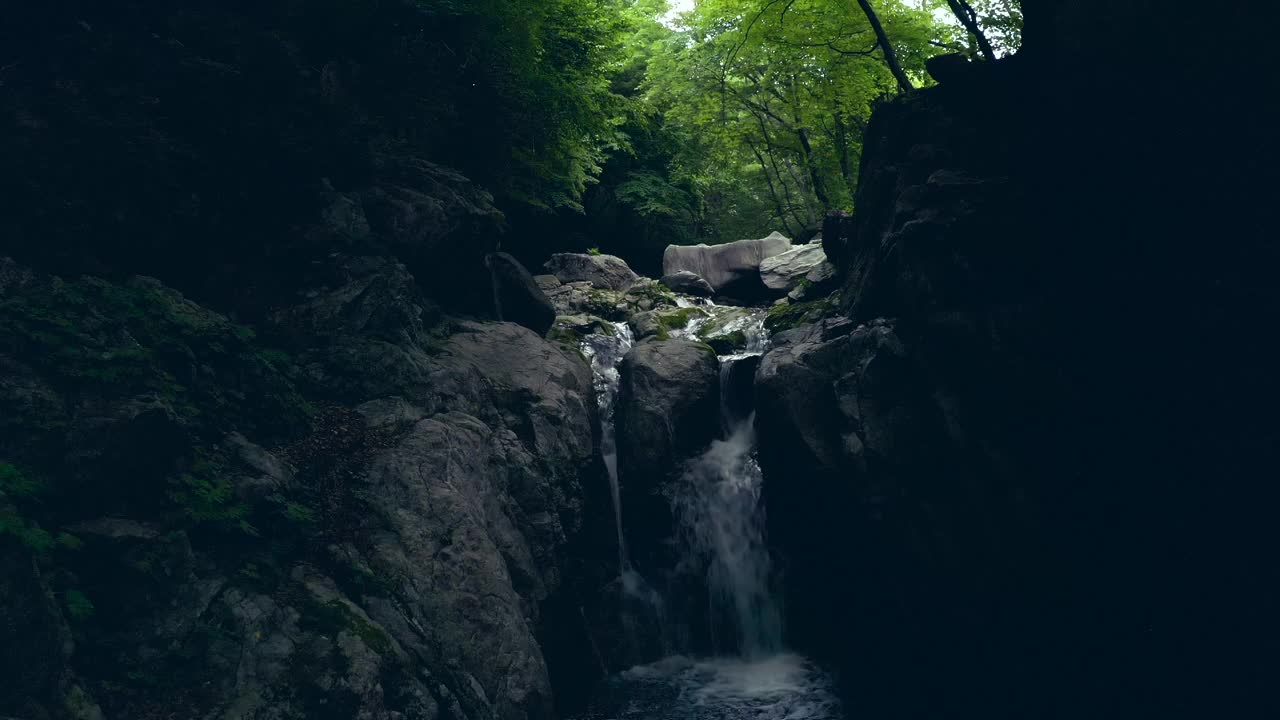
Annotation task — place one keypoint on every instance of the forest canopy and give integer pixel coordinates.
(631, 124)
(625, 125)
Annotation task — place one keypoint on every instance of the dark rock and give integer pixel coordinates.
(547, 282)
(605, 272)
(738, 385)
(688, 283)
(838, 230)
(34, 640)
(668, 409)
(950, 68)
(646, 324)
(517, 296)
(439, 224)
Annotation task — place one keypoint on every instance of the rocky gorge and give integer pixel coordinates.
(998, 444)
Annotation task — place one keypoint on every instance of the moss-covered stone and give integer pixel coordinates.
(728, 343)
(787, 315)
(127, 339)
(679, 317)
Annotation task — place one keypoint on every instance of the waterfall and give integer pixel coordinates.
(722, 519)
(723, 527)
(606, 352)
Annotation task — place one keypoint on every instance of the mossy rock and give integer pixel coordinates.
(728, 343)
(120, 340)
(788, 315)
(678, 318)
(651, 293)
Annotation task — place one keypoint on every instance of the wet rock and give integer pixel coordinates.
(646, 324)
(605, 272)
(688, 283)
(668, 409)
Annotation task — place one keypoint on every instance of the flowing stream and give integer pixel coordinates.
(717, 503)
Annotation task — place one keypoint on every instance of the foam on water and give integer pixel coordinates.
(780, 687)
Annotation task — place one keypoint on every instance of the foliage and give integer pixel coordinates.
(15, 489)
(138, 338)
(774, 97)
(1001, 20)
(530, 81)
(79, 607)
(206, 494)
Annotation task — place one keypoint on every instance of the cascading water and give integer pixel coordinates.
(723, 529)
(606, 350)
(642, 606)
(718, 506)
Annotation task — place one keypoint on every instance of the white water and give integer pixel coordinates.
(723, 528)
(718, 507)
(606, 353)
(780, 687)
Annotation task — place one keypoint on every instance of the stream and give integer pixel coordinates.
(751, 676)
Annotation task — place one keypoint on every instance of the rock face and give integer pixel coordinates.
(435, 518)
(986, 472)
(781, 273)
(517, 296)
(668, 408)
(688, 283)
(732, 268)
(605, 272)
(479, 509)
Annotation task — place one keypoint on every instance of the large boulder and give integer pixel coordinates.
(517, 296)
(781, 273)
(606, 272)
(668, 409)
(732, 268)
(688, 283)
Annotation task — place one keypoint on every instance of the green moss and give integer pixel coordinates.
(728, 343)
(658, 295)
(335, 616)
(78, 605)
(791, 315)
(123, 340)
(18, 491)
(206, 494)
(678, 318)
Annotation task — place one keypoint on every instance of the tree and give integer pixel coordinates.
(886, 47)
(965, 13)
(771, 97)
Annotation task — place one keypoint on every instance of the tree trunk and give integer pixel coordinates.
(786, 189)
(841, 137)
(773, 192)
(969, 19)
(815, 176)
(890, 55)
